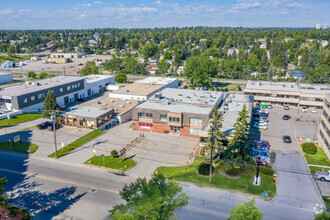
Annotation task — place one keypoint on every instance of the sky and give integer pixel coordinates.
(83, 14)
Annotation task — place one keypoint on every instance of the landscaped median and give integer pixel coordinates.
(77, 143)
(19, 147)
(111, 162)
(19, 119)
(315, 156)
(241, 182)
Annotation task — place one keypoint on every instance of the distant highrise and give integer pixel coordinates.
(325, 26)
(318, 26)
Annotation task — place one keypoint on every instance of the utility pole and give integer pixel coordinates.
(54, 132)
(258, 170)
(212, 141)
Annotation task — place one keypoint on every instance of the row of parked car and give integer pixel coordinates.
(48, 125)
(260, 150)
(260, 119)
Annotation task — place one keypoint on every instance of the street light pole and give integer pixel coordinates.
(54, 133)
(257, 170)
(212, 141)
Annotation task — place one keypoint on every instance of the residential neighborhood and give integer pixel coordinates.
(164, 110)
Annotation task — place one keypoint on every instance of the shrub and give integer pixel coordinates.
(230, 169)
(265, 171)
(309, 148)
(114, 153)
(204, 169)
(121, 78)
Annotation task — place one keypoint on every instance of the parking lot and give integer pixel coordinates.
(44, 138)
(293, 173)
(154, 150)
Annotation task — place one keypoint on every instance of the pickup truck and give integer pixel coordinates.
(322, 175)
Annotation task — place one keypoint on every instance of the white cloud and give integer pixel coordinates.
(6, 11)
(132, 10)
(246, 5)
(98, 2)
(86, 5)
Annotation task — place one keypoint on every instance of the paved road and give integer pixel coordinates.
(53, 189)
(294, 184)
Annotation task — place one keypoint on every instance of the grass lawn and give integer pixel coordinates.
(4, 58)
(77, 143)
(19, 147)
(19, 119)
(326, 200)
(242, 183)
(314, 169)
(111, 162)
(320, 158)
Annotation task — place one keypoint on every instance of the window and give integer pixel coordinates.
(195, 131)
(106, 118)
(100, 121)
(78, 85)
(68, 88)
(41, 95)
(33, 98)
(195, 121)
(61, 89)
(146, 125)
(174, 120)
(174, 128)
(25, 100)
(163, 117)
(145, 115)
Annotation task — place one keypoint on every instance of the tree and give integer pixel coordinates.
(270, 73)
(32, 74)
(167, 55)
(89, 68)
(113, 65)
(322, 216)
(50, 104)
(121, 78)
(246, 211)
(44, 75)
(239, 149)
(3, 198)
(216, 124)
(150, 199)
(11, 50)
(163, 67)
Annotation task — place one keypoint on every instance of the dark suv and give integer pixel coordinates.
(44, 125)
(287, 139)
(57, 126)
(286, 117)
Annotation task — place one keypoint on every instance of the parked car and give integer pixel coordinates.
(57, 126)
(314, 111)
(264, 111)
(63, 107)
(263, 142)
(304, 109)
(286, 117)
(44, 125)
(286, 139)
(322, 175)
(286, 107)
(269, 106)
(264, 127)
(263, 119)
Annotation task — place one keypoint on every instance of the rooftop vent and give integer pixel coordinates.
(158, 95)
(111, 101)
(88, 110)
(123, 100)
(104, 104)
(128, 102)
(98, 102)
(126, 90)
(122, 106)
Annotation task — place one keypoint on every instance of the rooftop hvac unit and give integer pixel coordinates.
(128, 102)
(98, 102)
(111, 101)
(123, 100)
(126, 90)
(122, 106)
(158, 95)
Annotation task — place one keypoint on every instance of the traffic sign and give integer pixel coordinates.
(16, 138)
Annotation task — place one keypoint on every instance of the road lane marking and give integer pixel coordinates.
(58, 180)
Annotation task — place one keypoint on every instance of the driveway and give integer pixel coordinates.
(295, 185)
(153, 151)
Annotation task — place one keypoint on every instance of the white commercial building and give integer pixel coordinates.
(5, 77)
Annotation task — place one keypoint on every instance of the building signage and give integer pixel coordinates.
(17, 138)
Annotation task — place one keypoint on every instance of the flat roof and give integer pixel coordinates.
(183, 100)
(87, 111)
(23, 88)
(274, 86)
(142, 89)
(4, 73)
(95, 78)
(289, 87)
(121, 106)
(157, 80)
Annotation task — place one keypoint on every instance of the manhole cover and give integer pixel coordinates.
(92, 190)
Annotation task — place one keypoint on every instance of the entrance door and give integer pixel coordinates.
(75, 96)
(89, 92)
(66, 100)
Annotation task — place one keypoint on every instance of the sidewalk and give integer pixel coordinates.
(21, 126)
(314, 165)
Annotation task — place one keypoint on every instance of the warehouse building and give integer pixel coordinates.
(6, 77)
(66, 55)
(29, 96)
(176, 111)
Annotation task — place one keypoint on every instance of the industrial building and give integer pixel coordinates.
(324, 133)
(29, 96)
(6, 77)
(59, 60)
(293, 94)
(145, 88)
(66, 55)
(176, 111)
(91, 117)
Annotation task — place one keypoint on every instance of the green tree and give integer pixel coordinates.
(11, 50)
(3, 198)
(163, 67)
(246, 211)
(32, 74)
(239, 149)
(113, 65)
(216, 124)
(167, 55)
(121, 78)
(150, 199)
(44, 75)
(50, 104)
(131, 65)
(322, 216)
(89, 68)
(270, 73)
